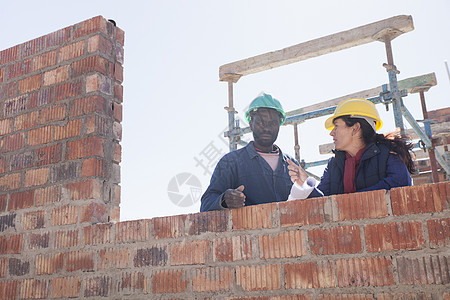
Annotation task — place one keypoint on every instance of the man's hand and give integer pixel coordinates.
(297, 173)
(234, 198)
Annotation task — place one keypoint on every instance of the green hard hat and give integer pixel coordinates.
(267, 101)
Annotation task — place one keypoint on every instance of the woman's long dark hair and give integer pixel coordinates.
(393, 140)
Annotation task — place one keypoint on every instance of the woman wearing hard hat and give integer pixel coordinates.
(363, 161)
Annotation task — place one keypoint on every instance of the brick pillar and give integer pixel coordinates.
(60, 113)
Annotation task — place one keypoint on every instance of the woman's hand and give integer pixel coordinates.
(298, 175)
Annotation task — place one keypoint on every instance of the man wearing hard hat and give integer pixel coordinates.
(257, 173)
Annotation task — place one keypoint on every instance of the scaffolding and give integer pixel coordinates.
(388, 94)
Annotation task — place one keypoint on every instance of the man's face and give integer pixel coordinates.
(265, 125)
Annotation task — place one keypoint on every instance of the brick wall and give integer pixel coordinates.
(60, 105)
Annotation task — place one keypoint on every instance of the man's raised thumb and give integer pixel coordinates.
(240, 188)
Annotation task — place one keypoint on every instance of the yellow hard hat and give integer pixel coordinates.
(355, 107)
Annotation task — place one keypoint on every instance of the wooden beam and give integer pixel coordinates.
(440, 129)
(388, 28)
(410, 84)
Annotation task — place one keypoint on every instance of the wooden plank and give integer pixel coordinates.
(392, 27)
(409, 84)
(441, 129)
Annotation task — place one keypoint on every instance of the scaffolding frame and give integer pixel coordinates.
(388, 94)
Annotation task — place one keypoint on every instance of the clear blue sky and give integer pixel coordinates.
(173, 101)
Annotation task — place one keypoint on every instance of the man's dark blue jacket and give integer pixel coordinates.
(246, 167)
(378, 169)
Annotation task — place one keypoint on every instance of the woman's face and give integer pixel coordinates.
(342, 135)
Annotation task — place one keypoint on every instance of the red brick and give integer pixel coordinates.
(36, 177)
(364, 205)
(97, 234)
(65, 287)
(284, 244)
(89, 105)
(10, 182)
(412, 200)
(8, 289)
(26, 121)
(21, 161)
(213, 221)
(7, 90)
(261, 277)
(118, 91)
(58, 75)
(64, 215)
(33, 289)
(71, 51)
(114, 259)
(98, 125)
(18, 267)
(19, 68)
(89, 189)
(49, 155)
(10, 244)
(118, 73)
(310, 275)
(3, 167)
(58, 37)
(132, 283)
(232, 249)
(439, 232)
(72, 129)
(101, 44)
(85, 147)
(190, 253)
(254, 217)
(68, 90)
(33, 46)
(53, 113)
(132, 231)
(117, 152)
(170, 281)
(394, 236)
(169, 227)
(8, 55)
(98, 286)
(66, 239)
(120, 36)
(49, 264)
(114, 213)
(2, 74)
(304, 212)
(79, 260)
(99, 83)
(345, 239)
(433, 269)
(21, 200)
(3, 267)
(92, 167)
(117, 110)
(12, 142)
(29, 84)
(94, 213)
(33, 220)
(38, 241)
(42, 135)
(88, 65)
(41, 97)
(371, 271)
(348, 297)
(15, 105)
(96, 24)
(119, 53)
(44, 60)
(212, 279)
(3, 202)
